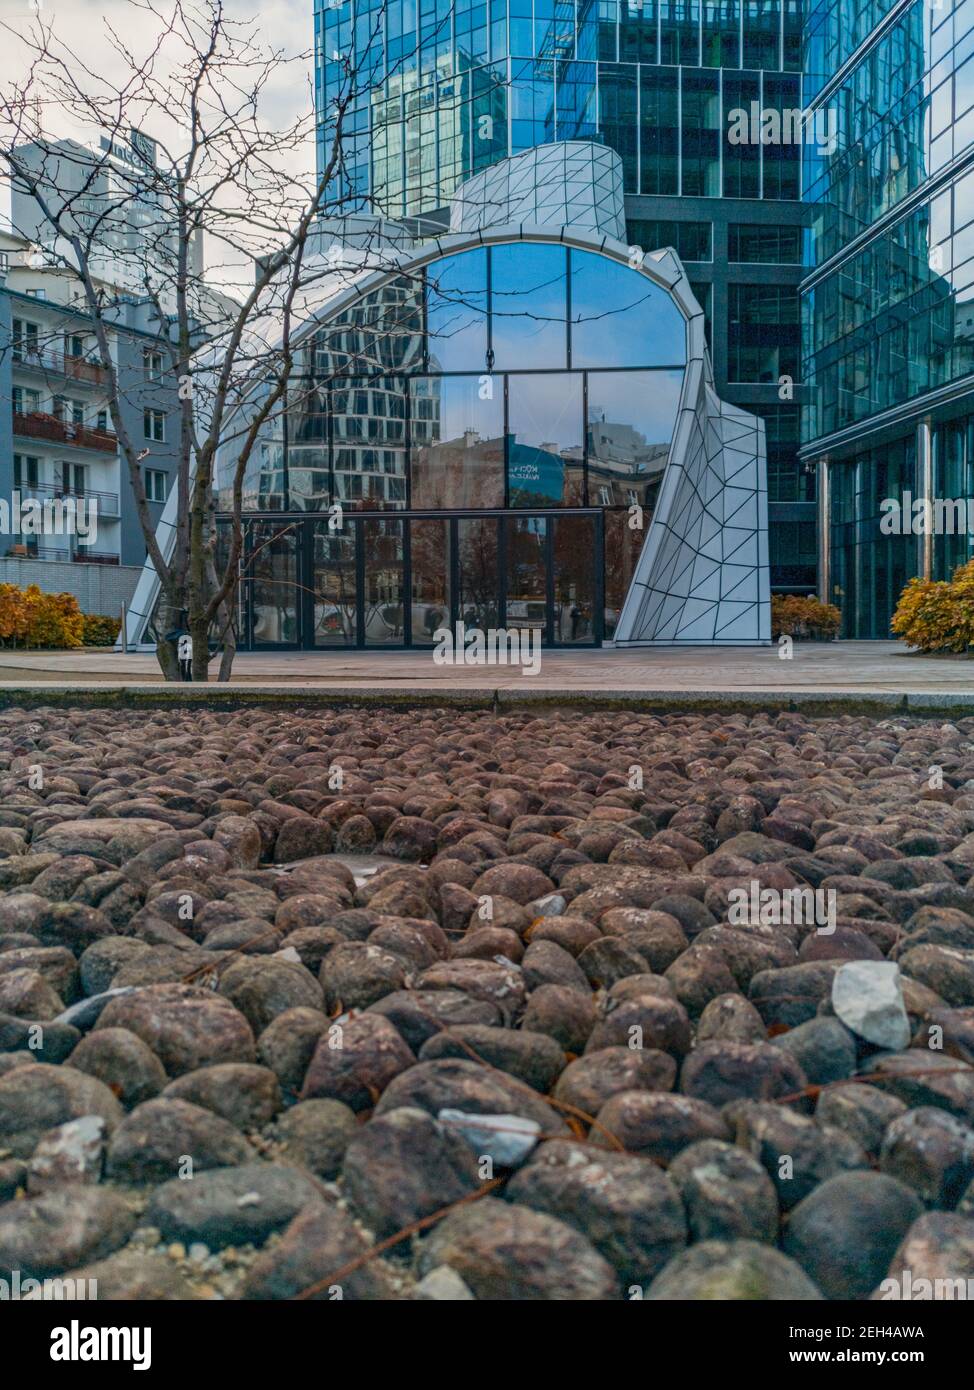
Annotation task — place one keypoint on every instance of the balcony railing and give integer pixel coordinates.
(46, 360)
(107, 502)
(37, 425)
(50, 553)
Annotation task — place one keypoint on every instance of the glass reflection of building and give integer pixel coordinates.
(484, 453)
(887, 331)
(452, 86)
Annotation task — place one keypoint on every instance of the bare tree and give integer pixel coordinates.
(129, 233)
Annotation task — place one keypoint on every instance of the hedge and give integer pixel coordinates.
(30, 618)
(794, 616)
(100, 630)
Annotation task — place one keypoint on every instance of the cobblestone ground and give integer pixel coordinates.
(669, 1007)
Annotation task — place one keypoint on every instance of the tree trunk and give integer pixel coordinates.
(168, 620)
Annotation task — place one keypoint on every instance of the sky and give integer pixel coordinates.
(82, 25)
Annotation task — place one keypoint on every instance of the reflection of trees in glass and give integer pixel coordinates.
(478, 572)
(334, 581)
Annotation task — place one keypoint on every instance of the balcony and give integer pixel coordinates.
(36, 424)
(62, 364)
(50, 553)
(106, 502)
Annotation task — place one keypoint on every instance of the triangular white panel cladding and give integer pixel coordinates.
(702, 575)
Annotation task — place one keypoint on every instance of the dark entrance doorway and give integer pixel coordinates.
(389, 580)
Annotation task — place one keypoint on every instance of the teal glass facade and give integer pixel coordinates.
(888, 299)
(446, 87)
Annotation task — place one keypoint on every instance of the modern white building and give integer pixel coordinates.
(512, 424)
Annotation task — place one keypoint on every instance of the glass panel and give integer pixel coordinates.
(381, 333)
(620, 318)
(429, 551)
(528, 306)
(369, 442)
(631, 416)
(574, 574)
(527, 573)
(457, 313)
(309, 486)
(273, 571)
(457, 431)
(333, 581)
(623, 542)
(383, 596)
(264, 478)
(477, 599)
(544, 461)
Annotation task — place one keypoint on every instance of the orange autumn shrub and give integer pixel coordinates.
(938, 615)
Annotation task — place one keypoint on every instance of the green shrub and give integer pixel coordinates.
(100, 630)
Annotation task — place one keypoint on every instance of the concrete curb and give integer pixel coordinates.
(232, 697)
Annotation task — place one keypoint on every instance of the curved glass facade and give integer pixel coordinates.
(473, 434)
(521, 375)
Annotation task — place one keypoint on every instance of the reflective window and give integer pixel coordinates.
(457, 431)
(369, 441)
(528, 306)
(527, 573)
(631, 416)
(478, 597)
(383, 597)
(620, 318)
(429, 556)
(544, 440)
(573, 545)
(333, 584)
(457, 313)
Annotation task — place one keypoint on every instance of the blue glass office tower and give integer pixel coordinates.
(448, 87)
(888, 301)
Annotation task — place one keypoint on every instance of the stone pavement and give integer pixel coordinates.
(882, 672)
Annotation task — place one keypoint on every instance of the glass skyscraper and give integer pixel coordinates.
(888, 299)
(446, 88)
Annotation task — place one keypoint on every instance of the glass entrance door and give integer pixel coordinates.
(392, 581)
(272, 584)
(334, 586)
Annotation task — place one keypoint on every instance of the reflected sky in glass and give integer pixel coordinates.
(528, 289)
(620, 318)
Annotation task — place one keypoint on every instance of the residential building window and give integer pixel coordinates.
(152, 365)
(26, 470)
(36, 294)
(155, 485)
(154, 425)
(26, 400)
(69, 410)
(25, 340)
(101, 421)
(74, 479)
(74, 345)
